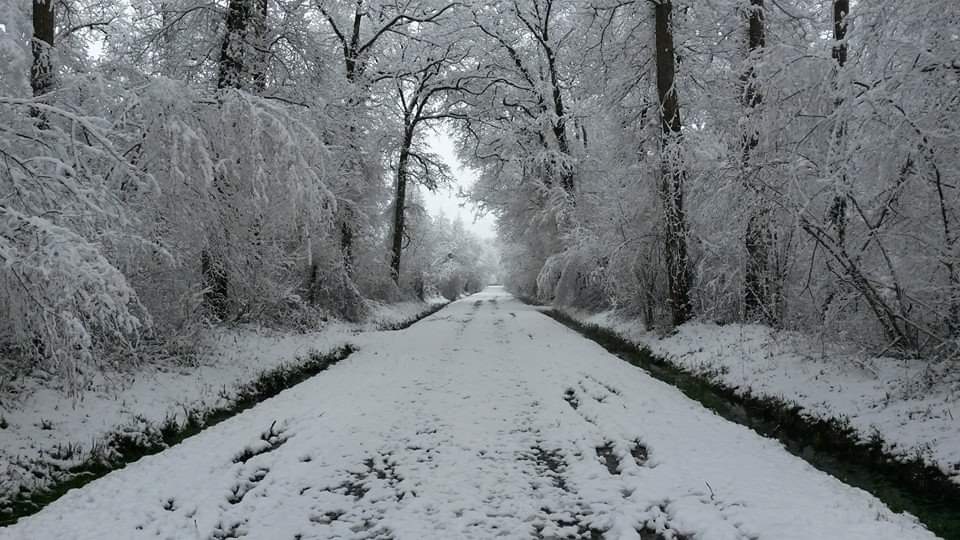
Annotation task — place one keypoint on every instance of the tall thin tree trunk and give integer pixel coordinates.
(948, 259)
(838, 209)
(353, 66)
(399, 206)
(259, 47)
(559, 127)
(673, 174)
(761, 283)
(41, 72)
(233, 65)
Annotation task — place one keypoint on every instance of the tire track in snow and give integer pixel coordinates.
(623, 455)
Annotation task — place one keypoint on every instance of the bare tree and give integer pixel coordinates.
(534, 77)
(421, 95)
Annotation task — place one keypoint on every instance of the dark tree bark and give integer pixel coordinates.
(239, 13)
(241, 63)
(260, 52)
(354, 68)
(41, 72)
(838, 209)
(351, 51)
(841, 8)
(761, 283)
(559, 126)
(399, 206)
(673, 174)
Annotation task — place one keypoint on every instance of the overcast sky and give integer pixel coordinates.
(445, 200)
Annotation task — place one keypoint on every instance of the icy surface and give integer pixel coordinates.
(485, 420)
(913, 406)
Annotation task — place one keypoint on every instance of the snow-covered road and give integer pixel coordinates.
(487, 419)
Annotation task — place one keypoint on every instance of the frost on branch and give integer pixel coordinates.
(65, 304)
(62, 296)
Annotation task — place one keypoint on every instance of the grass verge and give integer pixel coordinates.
(402, 325)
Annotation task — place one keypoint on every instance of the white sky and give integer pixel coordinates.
(445, 199)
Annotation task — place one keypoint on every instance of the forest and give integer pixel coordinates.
(168, 164)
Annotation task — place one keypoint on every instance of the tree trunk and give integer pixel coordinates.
(215, 283)
(761, 283)
(346, 238)
(235, 59)
(841, 8)
(949, 259)
(168, 64)
(259, 47)
(399, 206)
(560, 125)
(354, 68)
(41, 72)
(673, 172)
(235, 48)
(838, 209)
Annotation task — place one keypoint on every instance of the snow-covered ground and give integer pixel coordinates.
(913, 406)
(485, 420)
(46, 429)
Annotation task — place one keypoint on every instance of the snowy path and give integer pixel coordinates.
(485, 420)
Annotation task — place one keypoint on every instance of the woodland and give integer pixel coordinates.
(167, 165)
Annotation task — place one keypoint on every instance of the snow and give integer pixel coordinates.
(47, 430)
(913, 406)
(481, 421)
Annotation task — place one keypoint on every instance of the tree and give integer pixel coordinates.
(838, 211)
(420, 94)
(531, 78)
(42, 72)
(357, 46)
(673, 175)
(241, 62)
(761, 289)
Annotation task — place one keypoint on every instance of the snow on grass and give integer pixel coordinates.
(487, 420)
(45, 431)
(911, 405)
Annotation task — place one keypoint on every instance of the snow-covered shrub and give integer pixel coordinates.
(241, 182)
(64, 301)
(107, 222)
